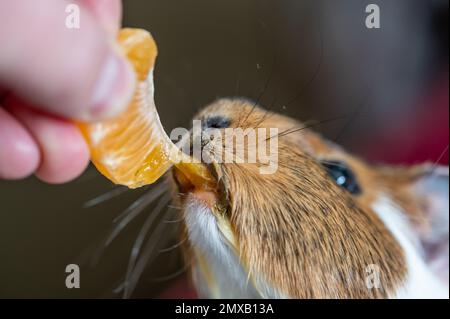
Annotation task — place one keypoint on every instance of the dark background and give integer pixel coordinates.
(318, 61)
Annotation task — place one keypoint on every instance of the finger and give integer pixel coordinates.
(64, 153)
(108, 13)
(19, 153)
(71, 72)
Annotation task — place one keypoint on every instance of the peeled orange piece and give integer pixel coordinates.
(133, 148)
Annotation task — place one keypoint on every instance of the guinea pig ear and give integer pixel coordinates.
(431, 186)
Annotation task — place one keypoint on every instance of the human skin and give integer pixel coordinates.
(51, 75)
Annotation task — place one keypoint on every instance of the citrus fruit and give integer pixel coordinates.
(133, 149)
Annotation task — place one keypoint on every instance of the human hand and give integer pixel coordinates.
(51, 74)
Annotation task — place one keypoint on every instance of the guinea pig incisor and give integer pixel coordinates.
(325, 225)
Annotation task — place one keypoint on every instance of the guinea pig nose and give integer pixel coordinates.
(216, 121)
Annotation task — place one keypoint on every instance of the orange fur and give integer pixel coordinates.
(299, 231)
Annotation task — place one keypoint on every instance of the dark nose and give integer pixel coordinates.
(216, 121)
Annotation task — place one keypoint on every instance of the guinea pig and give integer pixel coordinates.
(325, 224)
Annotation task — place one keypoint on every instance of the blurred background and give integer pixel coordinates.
(312, 60)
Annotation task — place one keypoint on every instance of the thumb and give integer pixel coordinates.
(107, 12)
(72, 72)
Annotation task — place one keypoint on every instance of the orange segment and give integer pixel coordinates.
(133, 149)
(140, 49)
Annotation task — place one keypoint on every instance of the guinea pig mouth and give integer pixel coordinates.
(198, 176)
(183, 183)
(199, 189)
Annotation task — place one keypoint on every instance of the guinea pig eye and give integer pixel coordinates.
(216, 122)
(343, 176)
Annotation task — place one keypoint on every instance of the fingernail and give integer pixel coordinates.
(114, 88)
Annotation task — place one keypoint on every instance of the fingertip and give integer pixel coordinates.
(66, 154)
(108, 12)
(19, 153)
(113, 91)
(78, 75)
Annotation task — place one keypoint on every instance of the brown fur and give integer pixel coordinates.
(297, 229)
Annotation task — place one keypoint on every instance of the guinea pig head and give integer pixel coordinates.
(311, 220)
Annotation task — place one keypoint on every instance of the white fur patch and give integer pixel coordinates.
(420, 281)
(228, 278)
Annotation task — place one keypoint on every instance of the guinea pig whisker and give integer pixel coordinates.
(146, 227)
(236, 93)
(436, 162)
(119, 288)
(175, 274)
(331, 163)
(263, 91)
(304, 88)
(267, 113)
(170, 248)
(181, 194)
(89, 175)
(354, 115)
(131, 213)
(265, 117)
(175, 207)
(144, 200)
(174, 221)
(105, 196)
(135, 267)
(293, 130)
